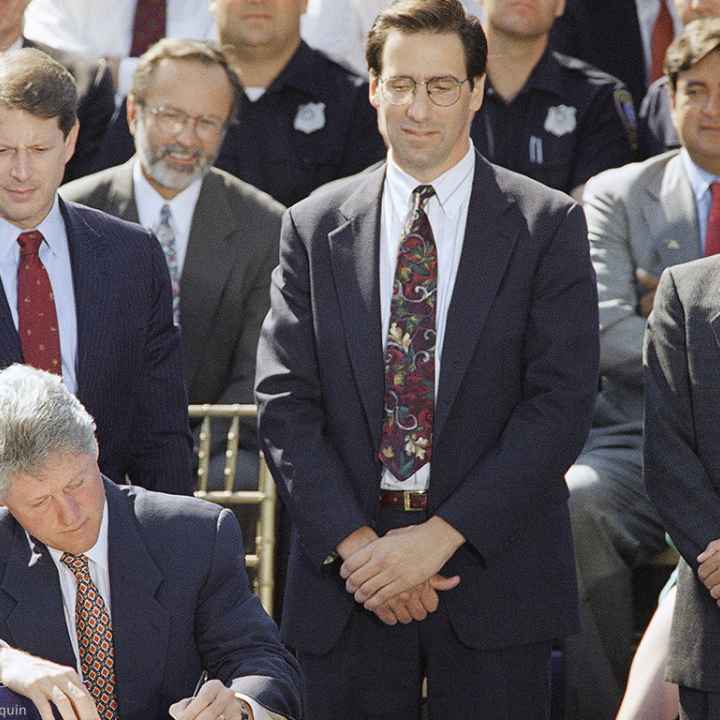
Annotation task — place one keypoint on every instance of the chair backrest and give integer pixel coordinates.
(263, 559)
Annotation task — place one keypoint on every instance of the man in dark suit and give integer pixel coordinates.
(96, 97)
(225, 232)
(681, 461)
(442, 462)
(91, 297)
(116, 599)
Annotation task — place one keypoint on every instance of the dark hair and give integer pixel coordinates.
(698, 39)
(429, 16)
(32, 81)
(204, 52)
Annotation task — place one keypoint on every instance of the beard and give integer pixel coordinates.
(154, 162)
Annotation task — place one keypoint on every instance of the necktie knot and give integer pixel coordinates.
(78, 564)
(421, 194)
(29, 242)
(165, 214)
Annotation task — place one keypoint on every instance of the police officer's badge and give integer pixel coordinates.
(310, 117)
(561, 120)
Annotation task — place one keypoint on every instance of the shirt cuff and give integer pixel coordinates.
(259, 712)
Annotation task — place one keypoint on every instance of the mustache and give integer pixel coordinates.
(179, 150)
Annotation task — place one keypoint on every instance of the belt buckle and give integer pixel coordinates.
(407, 500)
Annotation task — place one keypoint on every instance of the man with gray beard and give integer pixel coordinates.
(219, 234)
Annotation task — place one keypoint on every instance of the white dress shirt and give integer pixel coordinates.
(182, 207)
(104, 27)
(647, 12)
(700, 181)
(447, 212)
(55, 256)
(340, 27)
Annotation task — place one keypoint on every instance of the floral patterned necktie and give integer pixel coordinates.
(95, 639)
(406, 443)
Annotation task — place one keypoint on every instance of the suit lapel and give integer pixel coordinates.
(490, 235)
(209, 254)
(671, 215)
(90, 270)
(121, 198)
(354, 254)
(10, 349)
(141, 625)
(37, 623)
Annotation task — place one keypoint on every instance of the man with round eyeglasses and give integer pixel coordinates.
(418, 406)
(219, 233)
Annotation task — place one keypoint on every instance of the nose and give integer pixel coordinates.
(712, 107)
(68, 511)
(419, 108)
(21, 169)
(188, 137)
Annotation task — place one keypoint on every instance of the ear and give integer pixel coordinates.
(559, 8)
(71, 141)
(478, 92)
(374, 89)
(132, 110)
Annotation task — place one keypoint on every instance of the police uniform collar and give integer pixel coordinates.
(547, 75)
(544, 76)
(303, 72)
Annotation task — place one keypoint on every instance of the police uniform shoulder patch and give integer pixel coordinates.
(626, 110)
(561, 120)
(310, 117)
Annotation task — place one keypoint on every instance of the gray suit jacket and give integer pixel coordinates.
(224, 288)
(682, 451)
(640, 216)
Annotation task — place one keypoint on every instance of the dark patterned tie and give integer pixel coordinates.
(148, 25)
(37, 318)
(95, 640)
(712, 237)
(406, 443)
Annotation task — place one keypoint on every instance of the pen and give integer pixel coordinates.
(200, 682)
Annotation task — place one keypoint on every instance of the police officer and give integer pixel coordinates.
(304, 120)
(545, 115)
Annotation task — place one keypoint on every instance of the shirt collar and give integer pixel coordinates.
(545, 75)
(98, 553)
(149, 202)
(447, 186)
(52, 229)
(700, 179)
(304, 72)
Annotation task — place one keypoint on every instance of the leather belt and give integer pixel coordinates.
(408, 500)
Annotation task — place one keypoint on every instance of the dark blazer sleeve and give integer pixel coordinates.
(289, 392)
(547, 428)
(236, 638)
(676, 475)
(161, 446)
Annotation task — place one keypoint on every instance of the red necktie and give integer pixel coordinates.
(37, 319)
(662, 35)
(712, 236)
(406, 443)
(148, 25)
(95, 639)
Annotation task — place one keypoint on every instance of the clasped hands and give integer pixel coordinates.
(709, 569)
(397, 576)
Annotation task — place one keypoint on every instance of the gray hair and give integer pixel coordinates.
(38, 416)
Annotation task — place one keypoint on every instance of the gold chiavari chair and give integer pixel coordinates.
(263, 559)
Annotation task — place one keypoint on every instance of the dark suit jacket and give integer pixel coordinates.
(225, 285)
(682, 451)
(180, 602)
(96, 105)
(604, 33)
(129, 366)
(518, 377)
